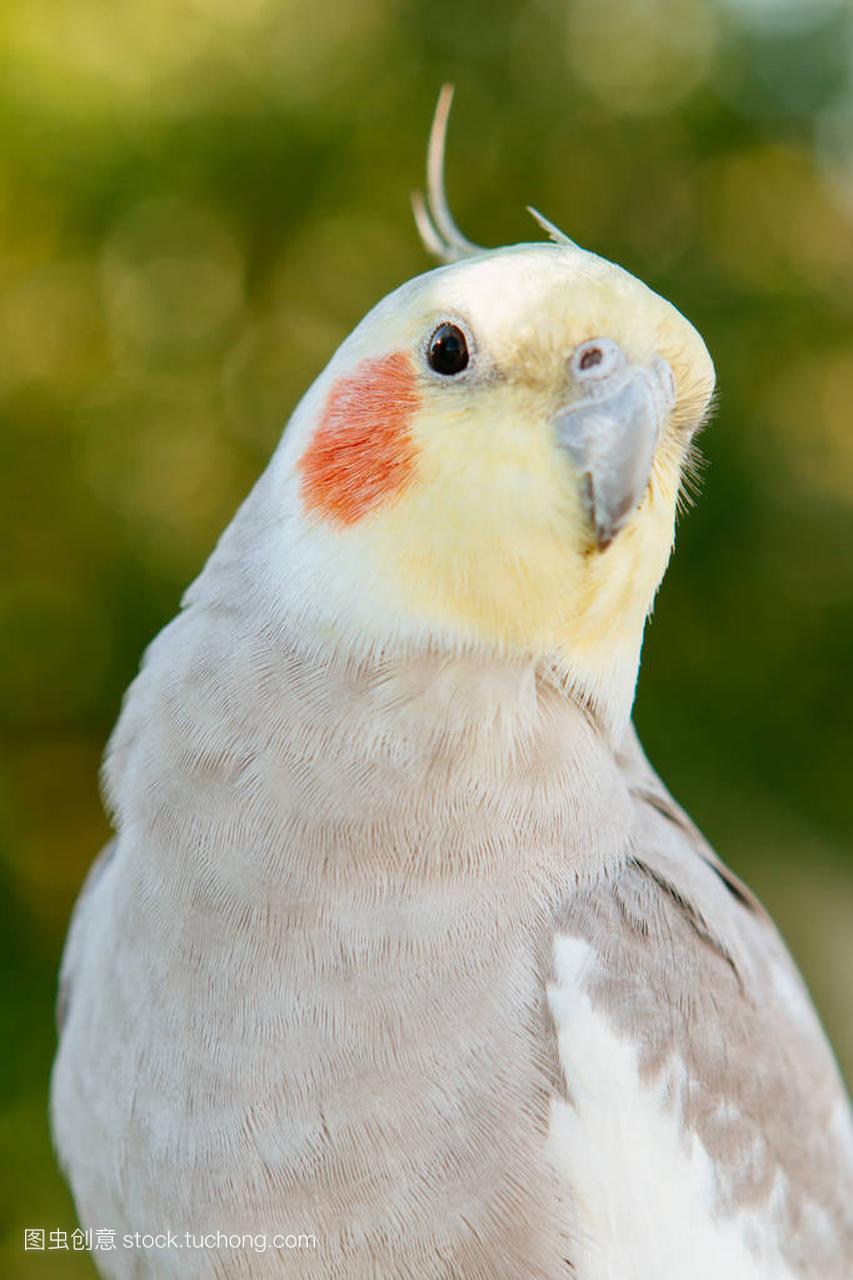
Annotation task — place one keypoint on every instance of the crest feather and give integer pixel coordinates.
(438, 231)
(554, 233)
(433, 218)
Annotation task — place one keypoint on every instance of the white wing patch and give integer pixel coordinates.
(643, 1186)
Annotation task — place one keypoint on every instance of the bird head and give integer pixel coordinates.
(493, 459)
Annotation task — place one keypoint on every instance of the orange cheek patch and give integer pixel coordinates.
(362, 452)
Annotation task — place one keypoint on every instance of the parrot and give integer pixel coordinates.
(402, 962)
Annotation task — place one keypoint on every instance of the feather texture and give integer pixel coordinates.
(400, 944)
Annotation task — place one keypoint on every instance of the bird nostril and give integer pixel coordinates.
(590, 358)
(595, 360)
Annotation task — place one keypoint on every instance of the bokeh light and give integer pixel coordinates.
(769, 16)
(642, 55)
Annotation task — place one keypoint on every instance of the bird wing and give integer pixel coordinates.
(704, 1124)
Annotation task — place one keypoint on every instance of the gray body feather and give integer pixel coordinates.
(308, 991)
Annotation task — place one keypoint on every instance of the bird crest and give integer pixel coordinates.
(435, 223)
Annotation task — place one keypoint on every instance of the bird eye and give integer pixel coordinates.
(448, 350)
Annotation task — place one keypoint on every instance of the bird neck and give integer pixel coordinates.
(248, 750)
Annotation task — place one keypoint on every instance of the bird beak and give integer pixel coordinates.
(611, 433)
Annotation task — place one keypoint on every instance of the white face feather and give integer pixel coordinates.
(480, 538)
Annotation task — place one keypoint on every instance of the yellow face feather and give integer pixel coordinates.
(488, 539)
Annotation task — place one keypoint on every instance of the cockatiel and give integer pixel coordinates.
(401, 945)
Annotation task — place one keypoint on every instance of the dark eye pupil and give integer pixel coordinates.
(448, 350)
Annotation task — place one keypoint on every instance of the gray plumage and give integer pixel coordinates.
(401, 945)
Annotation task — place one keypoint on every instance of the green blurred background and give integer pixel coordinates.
(199, 199)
